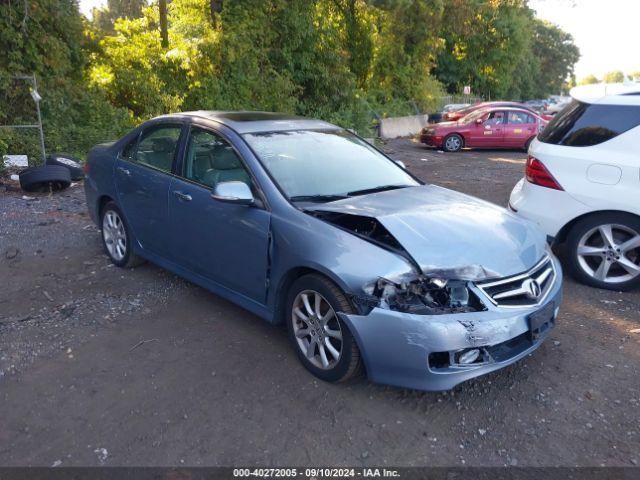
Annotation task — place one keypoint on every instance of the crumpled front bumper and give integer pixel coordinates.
(396, 346)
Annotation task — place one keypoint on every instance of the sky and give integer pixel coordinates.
(606, 32)
(87, 5)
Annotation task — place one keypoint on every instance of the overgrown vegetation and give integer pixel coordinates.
(345, 61)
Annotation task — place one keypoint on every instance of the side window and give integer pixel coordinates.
(495, 118)
(210, 160)
(157, 147)
(129, 151)
(582, 124)
(519, 118)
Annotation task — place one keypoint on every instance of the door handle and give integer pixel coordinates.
(182, 196)
(124, 170)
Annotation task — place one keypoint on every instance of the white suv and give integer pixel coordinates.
(582, 184)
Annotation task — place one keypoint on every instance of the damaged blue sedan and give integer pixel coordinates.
(302, 222)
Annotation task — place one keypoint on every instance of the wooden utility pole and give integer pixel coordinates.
(164, 34)
(215, 6)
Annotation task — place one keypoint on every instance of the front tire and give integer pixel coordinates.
(452, 143)
(603, 251)
(321, 340)
(116, 237)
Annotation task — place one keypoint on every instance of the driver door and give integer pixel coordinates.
(489, 133)
(223, 242)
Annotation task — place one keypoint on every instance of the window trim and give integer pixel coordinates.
(528, 116)
(505, 115)
(149, 128)
(261, 200)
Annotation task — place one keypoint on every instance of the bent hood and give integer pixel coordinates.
(450, 234)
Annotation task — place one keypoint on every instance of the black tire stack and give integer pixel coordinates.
(46, 178)
(57, 174)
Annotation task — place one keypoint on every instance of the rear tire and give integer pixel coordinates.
(603, 251)
(323, 343)
(116, 237)
(452, 143)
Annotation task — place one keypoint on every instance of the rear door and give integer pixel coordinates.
(142, 176)
(520, 127)
(224, 242)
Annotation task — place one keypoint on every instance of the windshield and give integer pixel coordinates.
(473, 116)
(325, 163)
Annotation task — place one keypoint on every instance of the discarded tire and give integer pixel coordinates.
(49, 177)
(67, 161)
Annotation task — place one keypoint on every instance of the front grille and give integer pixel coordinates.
(523, 290)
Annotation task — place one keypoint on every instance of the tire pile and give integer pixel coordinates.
(57, 174)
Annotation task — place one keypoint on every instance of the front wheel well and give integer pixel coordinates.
(283, 290)
(561, 237)
(464, 140)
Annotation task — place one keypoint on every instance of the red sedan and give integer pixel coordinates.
(499, 127)
(458, 114)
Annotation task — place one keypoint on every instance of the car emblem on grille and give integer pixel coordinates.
(531, 288)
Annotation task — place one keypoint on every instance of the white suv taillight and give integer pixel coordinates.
(538, 174)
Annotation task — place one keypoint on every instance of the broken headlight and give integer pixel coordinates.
(422, 296)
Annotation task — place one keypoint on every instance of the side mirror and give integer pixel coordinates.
(233, 192)
(478, 121)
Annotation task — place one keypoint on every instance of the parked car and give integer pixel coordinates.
(537, 105)
(556, 104)
(302, 222)
(451, 107)
(454, 107)
(495, 127)
(582, 186)
(458, 114)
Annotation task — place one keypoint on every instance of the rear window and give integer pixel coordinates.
(583, 124)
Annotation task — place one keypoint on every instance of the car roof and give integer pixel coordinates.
(498, 103)
(256, 121)
(627, 93)
(506, 107)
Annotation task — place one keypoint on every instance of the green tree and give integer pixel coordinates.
(407, 46)
(104, 18)
(613, 77)
(635, 75)
(588, 80)
(484, 44)
(335, 59)
(47, 39)
(556, 54)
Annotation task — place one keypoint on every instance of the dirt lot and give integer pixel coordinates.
(102, 366)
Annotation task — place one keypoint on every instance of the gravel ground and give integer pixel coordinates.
(103, 366)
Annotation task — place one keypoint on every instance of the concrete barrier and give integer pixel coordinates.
(402, 126)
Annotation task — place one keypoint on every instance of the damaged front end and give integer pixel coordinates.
(438, 293)
(420, 295)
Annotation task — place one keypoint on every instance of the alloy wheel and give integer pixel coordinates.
(610, 253)
(115, 235)
(453, 143)
(317, 329)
